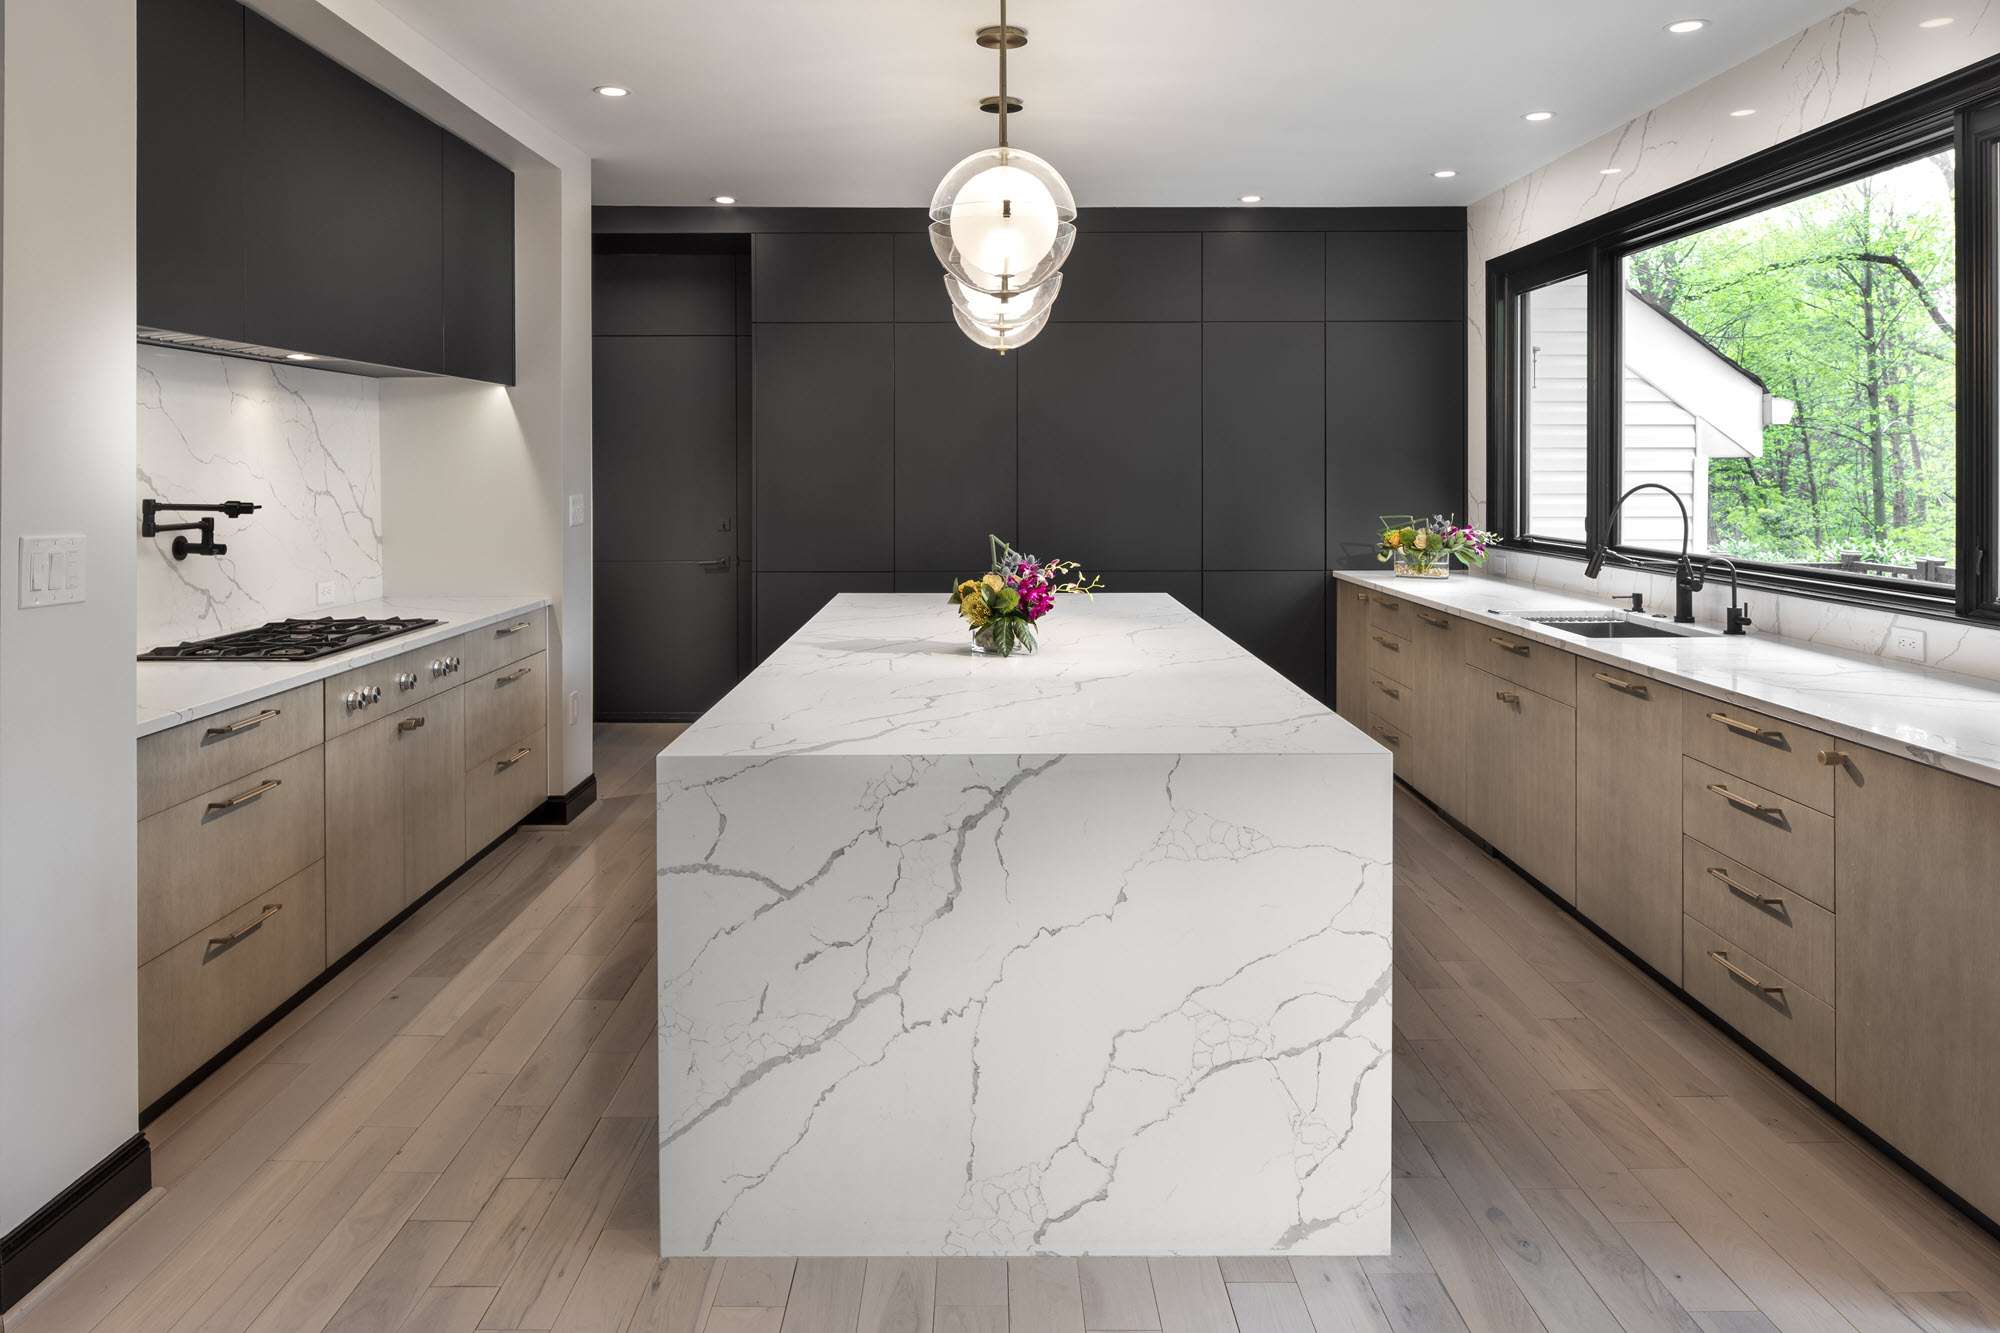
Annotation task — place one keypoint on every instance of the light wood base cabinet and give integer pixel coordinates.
(1522, 799)
(1350, 653)
(1917, 857)
(1628, 811)
(503, 788)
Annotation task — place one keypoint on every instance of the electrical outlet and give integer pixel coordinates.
(1905, 642)
(576, 511)
(52, 570)
(575, 706)
(328, 591)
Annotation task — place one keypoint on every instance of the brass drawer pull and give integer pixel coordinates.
(1390, 644)
(1435, 622)
(1361, 596)
(244, 798)
(511, 677)
(1507, 696)
(1721, 876)
(224, 941)
(1388, 605)
(512, 759)
(1389, 738)
(1632, 688)
(1744, 803)
(1833, 758)
(1750, 729)
(1722, 961)
(410, 724)
(1518, 649)
(1389, 690)
(514, 628)
(242, 724)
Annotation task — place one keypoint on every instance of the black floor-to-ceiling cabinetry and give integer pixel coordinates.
(1221, 407)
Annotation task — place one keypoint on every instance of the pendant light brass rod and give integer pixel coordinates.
(1003, 73)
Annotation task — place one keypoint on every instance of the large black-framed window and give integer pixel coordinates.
(1704, 320)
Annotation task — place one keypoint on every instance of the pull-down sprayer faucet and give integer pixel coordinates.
(1687, 580)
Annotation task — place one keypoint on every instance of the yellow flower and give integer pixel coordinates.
(1392, 539)
(1423, 540)
(995, 582)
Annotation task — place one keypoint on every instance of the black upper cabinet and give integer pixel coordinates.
(344, 253)
(1395, 275)
(822, 278)
(191, 178)
(1263, 275)
(286, 202)
(1131, 275)
(478, 207)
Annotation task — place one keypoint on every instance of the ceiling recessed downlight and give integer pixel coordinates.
(1742, 111)
(725, 198)
(1445, 174)
(1249, 198)
(1936, 23)
(611, 90)
(1682, 27)
(1539, 116)
(1609, 171)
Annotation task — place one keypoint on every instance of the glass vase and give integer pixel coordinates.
(1437, 568)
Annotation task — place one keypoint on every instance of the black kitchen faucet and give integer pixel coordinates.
(183, 548)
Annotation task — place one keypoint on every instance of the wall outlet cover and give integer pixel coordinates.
(328, 592)
(576, 511)
(52, 570)
(575, 706)
(1905, 642)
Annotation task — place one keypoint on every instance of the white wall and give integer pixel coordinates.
(68, 1094)
(1867, 52)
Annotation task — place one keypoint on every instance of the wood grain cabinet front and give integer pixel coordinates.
(505, 706)
(182, 761)
(1523, 800)
(1771, 833)
(1350, 653)
(1794, 1026)
(501, 644)
(1628, 811)
(503, 788)
(1768, 751)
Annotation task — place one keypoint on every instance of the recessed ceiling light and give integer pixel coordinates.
(1250, 199)
(1539, 116)
(725, 199)
(611, 90)
(1609, 171)
(1444, 175)
(300, 356)
(1742, 111)
(1936, 23)
(1681, 27)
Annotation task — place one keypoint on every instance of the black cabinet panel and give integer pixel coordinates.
(1131, 275)
(822, 278)
(1110, 431)
(787, 601)
(1184, 585)
(1281, 617)
(1263, 275)
(1395, 429)
(824, 424)
(1395, 275)
(955, 459)
(344, 228)
(666, 638)
(1263, 405)
(665, 448)
(478, 205)
(920, 291)
(191, 168)
(658, 294)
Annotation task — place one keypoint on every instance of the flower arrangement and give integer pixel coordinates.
(1423, 548)
(1003, 606)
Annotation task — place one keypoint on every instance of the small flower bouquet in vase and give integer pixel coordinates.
(1423, 548)
(1003, 607)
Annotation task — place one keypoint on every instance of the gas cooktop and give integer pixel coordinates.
(288, 640)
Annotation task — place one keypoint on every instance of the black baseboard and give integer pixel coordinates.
(1946, 1193)
(66, 1223)
(564, 809)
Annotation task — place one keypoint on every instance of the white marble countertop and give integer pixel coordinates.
(171, 693)
(1941, 718)
(1120, 673)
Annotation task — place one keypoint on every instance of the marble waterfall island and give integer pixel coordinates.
(1083, 952)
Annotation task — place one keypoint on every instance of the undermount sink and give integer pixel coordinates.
(1611, 625)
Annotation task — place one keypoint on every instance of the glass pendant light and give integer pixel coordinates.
(1002, 223)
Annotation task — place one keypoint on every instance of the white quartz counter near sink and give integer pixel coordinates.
(171, 693)
(1940, 718)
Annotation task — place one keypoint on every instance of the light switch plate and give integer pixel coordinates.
(576, 511)
(52, 570)
(1905, 642)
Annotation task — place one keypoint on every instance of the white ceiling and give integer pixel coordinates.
(1138, 103)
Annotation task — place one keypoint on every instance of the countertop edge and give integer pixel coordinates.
(156, 720)
(1963, 765)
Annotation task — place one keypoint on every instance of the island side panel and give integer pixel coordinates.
(1001, 1005)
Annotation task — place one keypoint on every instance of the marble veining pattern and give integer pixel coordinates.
(980, 1001)
(303, 443)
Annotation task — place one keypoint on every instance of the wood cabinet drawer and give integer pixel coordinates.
(194, 757)
(495, 646)
(1779, 837)
(1772, 1010)
(202, 857)
(1389, 612)
(1791, 930)
(404, 679)
(1523, 797)
(1780, 755)
(1398, 742)
(1545, 670)
(505, 707)
(502, 790)
(215, 985)
(1390, 700)
(1389, 655)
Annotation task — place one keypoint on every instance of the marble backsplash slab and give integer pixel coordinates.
(303, 443)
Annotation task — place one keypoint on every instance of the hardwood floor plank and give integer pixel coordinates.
(1642, 1043)
(971, 1318)
(639, 1093)
(677, 1297)
(481, 1164)
(321, 1285)
(354, 1105)
(612, 1283)
(1417, 1093)
(1269, 1307)
(412, 1101)
(1733, 1321)
(1118, 1293)
(390, 1290)
(756, 1282)
(495, 1237)
(435, 1142)
(1634, 1294)
(972, 1282)
(1415, 1303)
(218, 1122)
(744, 1319)
(1255, 1270)
(1521, 1152)
(1619, 1130)
(1406, 1252)
(1407, 1154)
(826, 1296)
(538, 1016)
(635, 1023)
(542, 1078)
(1946, 1311)
(1466, 1265)
(1339, 1296)
(1694, 1278)
(1192, 1297)
(549, 1263)
(898, 1296)
(1414, 1017)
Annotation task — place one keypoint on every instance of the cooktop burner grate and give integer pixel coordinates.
(288, 640)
